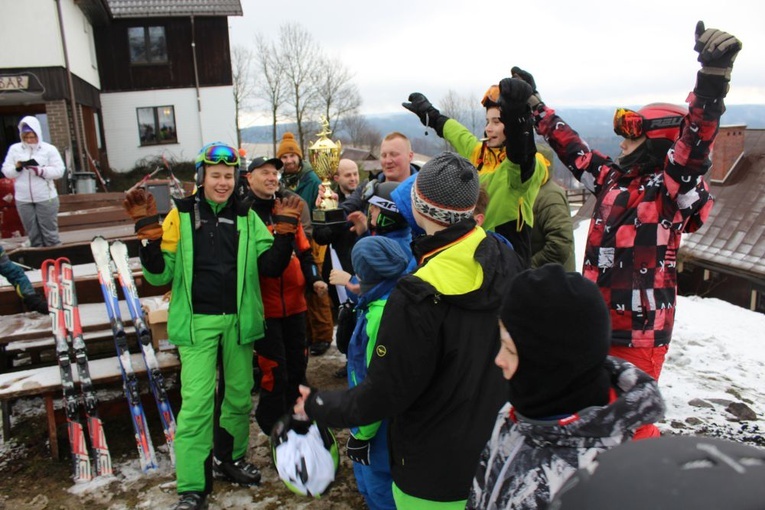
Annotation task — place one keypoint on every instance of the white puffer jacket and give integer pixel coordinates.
(29, 187)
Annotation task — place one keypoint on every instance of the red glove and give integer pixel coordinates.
(140, 205)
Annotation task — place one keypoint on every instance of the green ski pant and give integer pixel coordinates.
(214, 336)
(406, 502)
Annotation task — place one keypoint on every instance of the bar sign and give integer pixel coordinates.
(14, 82)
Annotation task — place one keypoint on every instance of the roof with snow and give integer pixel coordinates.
(163, 8)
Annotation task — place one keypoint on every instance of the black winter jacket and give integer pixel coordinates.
(433, 373)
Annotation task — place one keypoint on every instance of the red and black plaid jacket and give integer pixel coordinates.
(640, 214)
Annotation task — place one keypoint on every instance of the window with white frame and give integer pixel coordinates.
(156, 125)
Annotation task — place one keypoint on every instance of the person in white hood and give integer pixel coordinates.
(34, 165)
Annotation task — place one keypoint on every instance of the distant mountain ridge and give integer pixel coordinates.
(591, 123)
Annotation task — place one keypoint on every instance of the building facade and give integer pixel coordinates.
(148, 78)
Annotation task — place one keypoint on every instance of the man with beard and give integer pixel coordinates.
(298, 176)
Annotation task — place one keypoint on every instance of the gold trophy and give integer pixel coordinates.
(324, 155)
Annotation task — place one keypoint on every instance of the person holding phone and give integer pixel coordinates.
(34, 164)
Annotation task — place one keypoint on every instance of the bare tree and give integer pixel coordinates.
(270, 85)
(359, 133)
(243, 86)
(464, 109)
(300, 57)
(336, 94)
(475, 119)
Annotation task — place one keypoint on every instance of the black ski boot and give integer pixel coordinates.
(192, 501)
(239, 471)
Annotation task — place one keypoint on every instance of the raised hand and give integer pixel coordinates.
(429, 115)
(287, 214)
(717, 50)
(535, 98)
(141, 206)
(514, 94)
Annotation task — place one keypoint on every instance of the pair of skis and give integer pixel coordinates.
(103, 255)
(58, 279)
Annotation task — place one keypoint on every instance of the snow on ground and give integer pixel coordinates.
(717, 356)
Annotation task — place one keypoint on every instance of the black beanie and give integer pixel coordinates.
(446, 189)
(561, 328)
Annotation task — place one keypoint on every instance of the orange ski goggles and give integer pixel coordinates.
(491, 97)
(628, 123)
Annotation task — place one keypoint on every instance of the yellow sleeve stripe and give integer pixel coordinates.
(171, 231)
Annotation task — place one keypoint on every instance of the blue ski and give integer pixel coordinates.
(156, 379)
(100, 248)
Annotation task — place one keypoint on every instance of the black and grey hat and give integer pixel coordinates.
(446, 189)
(261, 160)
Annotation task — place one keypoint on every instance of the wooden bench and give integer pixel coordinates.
(75, 245)
(31, 333)
(46, 382)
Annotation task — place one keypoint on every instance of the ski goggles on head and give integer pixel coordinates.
(217, 153)
(491, 97)
(628, 123)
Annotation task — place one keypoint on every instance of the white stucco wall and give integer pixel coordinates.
(194, 129)
(30, 37)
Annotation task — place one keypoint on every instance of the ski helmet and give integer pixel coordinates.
(379, 194)
(667, 473)
(214, 154)
(657, 121)
(305, 455)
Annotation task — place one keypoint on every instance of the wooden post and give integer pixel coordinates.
(52, 436)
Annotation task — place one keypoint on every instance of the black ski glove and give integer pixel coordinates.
(358, 450)
(717, 51)
(36, 303)
(515, 114)
(534, 98)
(428, 114)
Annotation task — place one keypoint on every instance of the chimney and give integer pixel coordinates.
(726, 151)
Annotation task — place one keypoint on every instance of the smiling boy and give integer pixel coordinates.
(212, 248)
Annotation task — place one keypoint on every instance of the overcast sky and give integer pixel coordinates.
(582, 53)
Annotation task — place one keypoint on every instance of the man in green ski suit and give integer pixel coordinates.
(212, 248)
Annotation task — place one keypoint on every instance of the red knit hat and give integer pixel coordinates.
(288, 145)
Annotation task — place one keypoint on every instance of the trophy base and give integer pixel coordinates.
(328, 216)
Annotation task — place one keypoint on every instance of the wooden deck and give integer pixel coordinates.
(81, 218)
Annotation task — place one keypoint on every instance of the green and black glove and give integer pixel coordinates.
(428, 114)
(358, 450)
(717, 51)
